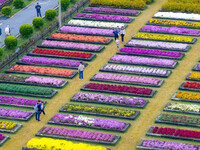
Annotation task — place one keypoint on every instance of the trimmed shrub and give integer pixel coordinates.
(73, 1)
(26, 29)
(10, 41)
(38, 22)
(65, 4)
(6, 10)
(1, 52)
(18, 3)
(50, 14)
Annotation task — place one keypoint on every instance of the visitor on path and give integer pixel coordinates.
(38, 110)
(117, 42)
(115, 33)
(7, 30)
(118, 30)
(81, 67)
(0, 34)
(122, 32)
(42, 107)
(38, 7)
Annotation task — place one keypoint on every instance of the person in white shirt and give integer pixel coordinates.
(7, 30)
(122, 32)
(81, 67)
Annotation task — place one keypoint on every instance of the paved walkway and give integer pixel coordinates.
(24, 17)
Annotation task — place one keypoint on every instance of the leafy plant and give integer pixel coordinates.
(38, 22)
(6, 10)
(50, 14)
(26, 29)
(1, 52)
(11, 41)
(18, 3)
(65, 4)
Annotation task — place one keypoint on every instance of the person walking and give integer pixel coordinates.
(118, 31)
(42, 107)
(117, 42)
(81, 67)
(0, 34)
(122, 32)
(38, 7)
(7, 30)
(115, 33)
(37, 109)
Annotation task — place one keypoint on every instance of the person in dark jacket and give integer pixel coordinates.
(115, 33)
(38, 7)
(0, 34)
(42, 107)
(38, 110)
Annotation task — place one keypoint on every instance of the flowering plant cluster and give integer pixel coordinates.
(92, 31)
(159, 45)
(99, 110)
(49, 143)
(95, 23)
(95, 136)
(184, 107)
(112, 99)
(104, 17)
(2, 2)
(50, 61)
(17, 101)
(164, 37)
(119, 88)
(192, 85)
(83, 38)
(174, 23)
(132, 69)
(188, 95)
(127, 79)
(175, 30)
(175, 15)
(176, 132)
(150, 52)
(2, 136)
(194, 75)
(7, 125)
(58, 44)
(107, 10)
(169, 145)
(25, 89)
(42, 70)
(89, 122)
(142, 60)
(14, 113)
(62, 53)
(198, 66)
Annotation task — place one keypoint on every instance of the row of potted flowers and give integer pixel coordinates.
(191, 86)
(187, 96)
(196, 67)
(194, 76)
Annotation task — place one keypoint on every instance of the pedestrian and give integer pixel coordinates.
(0, 34)
(7, 30)
(42, 107)
(81, 67)
(37, 109)
(122, 32)
(115, 33)
(38, 7)
(117, 42)
(118, 31)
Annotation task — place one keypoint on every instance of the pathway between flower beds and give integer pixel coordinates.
(139, 127)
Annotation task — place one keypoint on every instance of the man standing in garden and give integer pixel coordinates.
(38, 7)
(38, 110)
(81, 67)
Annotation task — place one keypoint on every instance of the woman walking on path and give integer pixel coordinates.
(117, 42)
(122, 32)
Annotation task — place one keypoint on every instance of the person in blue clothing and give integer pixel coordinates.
(38, 7)
(0, 34)
(42, 107)
(38, 110)
(116, 32)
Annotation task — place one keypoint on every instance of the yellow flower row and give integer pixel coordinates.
(188, 95)
(195, 75)
(175, 23)
(7, 125)
(163, 37)
(56, 144)
(185, 1)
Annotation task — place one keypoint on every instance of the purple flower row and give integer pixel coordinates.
(82, 30)
(176, 30)
(103, 17)
(150, 52)
(157, 144)
(160, 45)
(57, 44)
(111, 10)
(127, 78)
(142, 60)
(14, 113)
(198, 66)
(2, 2)
(50, 61)
(87, 121)
(96, 136)
(109, 99)
(17, 101)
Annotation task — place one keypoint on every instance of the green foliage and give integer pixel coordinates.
(18, 3)
(73, 1)
(26, 29)
(65, 4)
(50, 14)
(1, 52)
(38, 22)
(10, 41)
(6, 10)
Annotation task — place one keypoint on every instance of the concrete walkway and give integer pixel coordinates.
(24, 17)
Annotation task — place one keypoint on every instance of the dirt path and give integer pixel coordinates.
(140, 126)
